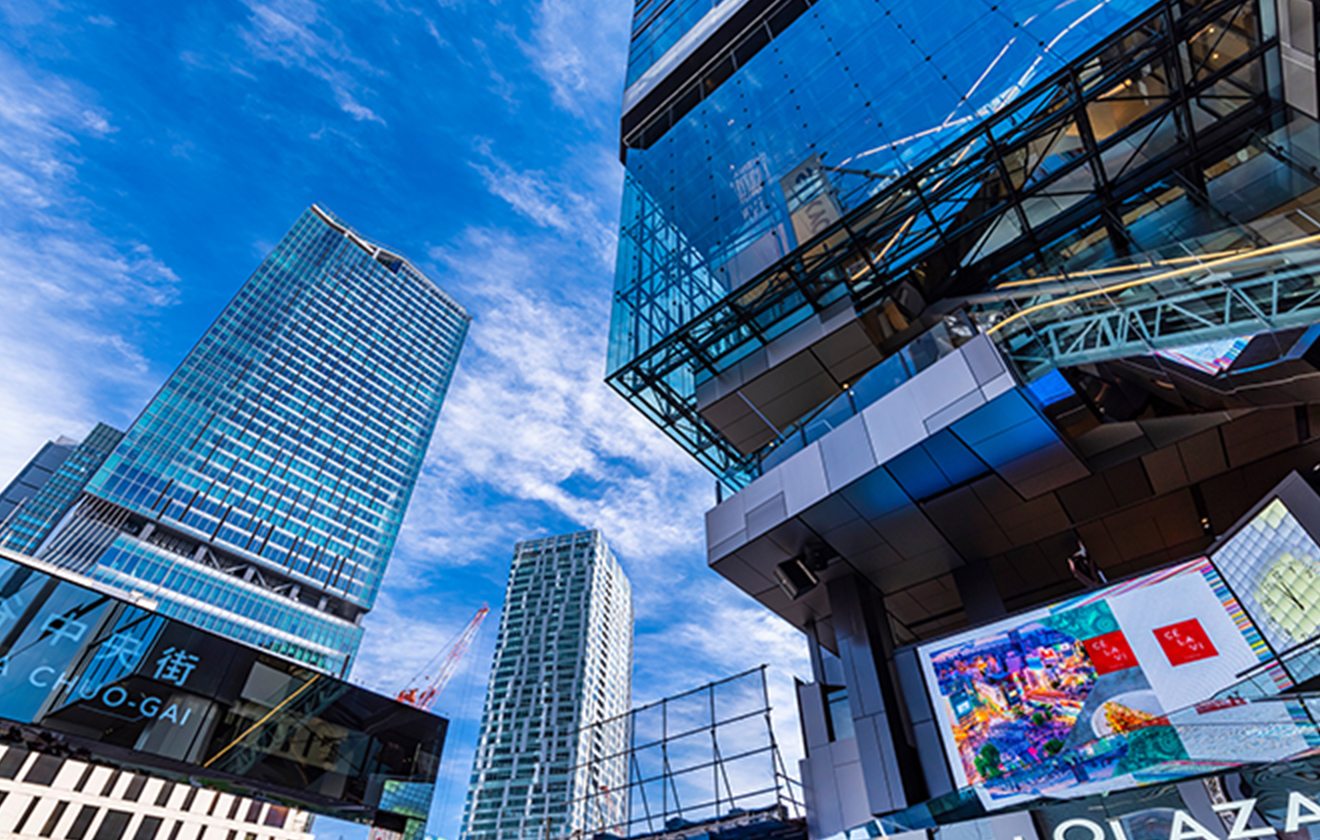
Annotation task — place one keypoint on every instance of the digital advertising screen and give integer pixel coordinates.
(1273, 567)
(1086, 694)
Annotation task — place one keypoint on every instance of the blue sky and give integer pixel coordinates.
(150, 155)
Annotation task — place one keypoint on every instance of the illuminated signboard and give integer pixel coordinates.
(1123, 685)
(1210, 357)
(1086, 694)
(133, 687)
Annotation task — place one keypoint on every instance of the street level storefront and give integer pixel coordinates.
(90, 674)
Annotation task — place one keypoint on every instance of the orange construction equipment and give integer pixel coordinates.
(422, 689)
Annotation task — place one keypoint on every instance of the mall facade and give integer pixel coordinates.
(997, 327)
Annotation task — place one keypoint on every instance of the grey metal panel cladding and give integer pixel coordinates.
(804, 480)
(912, 688)
(983, 359)
(880, 771)
(853, 804)
(875, 744)
(847, 453)
(815, 731)
(931, 751)
(833, 668)
(864, 693)
(1017, 826)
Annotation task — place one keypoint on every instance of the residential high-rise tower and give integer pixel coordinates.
(550, 757)
(260, 493)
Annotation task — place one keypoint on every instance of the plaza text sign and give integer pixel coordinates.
(1302, 810)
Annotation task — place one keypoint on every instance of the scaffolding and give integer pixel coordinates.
(705, 757)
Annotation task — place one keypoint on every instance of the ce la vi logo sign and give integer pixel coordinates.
(1302, 810)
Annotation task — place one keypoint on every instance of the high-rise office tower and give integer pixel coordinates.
(550, 757)
(968, 306)
(260, 493)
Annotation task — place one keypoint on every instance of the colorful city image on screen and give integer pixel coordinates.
(1018, 697)
(1078, 695)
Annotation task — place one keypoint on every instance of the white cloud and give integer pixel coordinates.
(293, 34)
(529, 426)
(580, 51)
(529, 414)
(581, 200)
(73, 295)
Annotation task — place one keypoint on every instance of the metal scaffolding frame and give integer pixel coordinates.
(707, 755)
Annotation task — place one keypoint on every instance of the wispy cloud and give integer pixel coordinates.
(530, 434)
(530, 414)
(578, 201)
(579, 49)
(73, 294)
(293, 34)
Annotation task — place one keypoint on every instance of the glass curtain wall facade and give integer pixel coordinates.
(807, 141)
(545, 766)
(33, 477)
(867, 88)
(1022, 302)
(136, 696)
(260, 493)
(30, 525)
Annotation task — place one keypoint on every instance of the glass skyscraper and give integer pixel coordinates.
(551, 758)
(34, 476)
(260, 493)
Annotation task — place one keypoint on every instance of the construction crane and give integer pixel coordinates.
(423, 689)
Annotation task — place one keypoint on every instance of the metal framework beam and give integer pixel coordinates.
(1001, 201)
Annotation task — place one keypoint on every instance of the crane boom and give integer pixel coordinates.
(422, 691)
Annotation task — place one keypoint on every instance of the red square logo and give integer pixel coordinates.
(1110, 652)
(1185, 642)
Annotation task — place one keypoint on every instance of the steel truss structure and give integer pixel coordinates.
(708, 755)
(1070, 172)
(1259, 290)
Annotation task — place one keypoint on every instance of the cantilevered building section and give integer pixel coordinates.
(260, 493)
(551, 756)
(968, 307)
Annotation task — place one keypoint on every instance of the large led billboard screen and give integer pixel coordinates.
(1272, 564)
(1085, 694)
